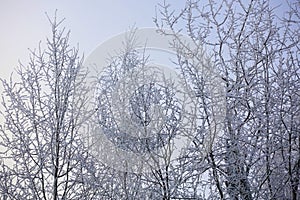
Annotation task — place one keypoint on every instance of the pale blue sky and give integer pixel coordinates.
(24, 23)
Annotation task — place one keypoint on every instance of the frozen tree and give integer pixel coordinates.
(250, 150)
(140, 110)
(44, 107)
(256, 50)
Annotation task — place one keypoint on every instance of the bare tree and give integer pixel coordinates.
(140, 112)
(246, 47)
(45, 115)
(256, 50)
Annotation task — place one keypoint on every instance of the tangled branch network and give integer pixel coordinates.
(145, 109)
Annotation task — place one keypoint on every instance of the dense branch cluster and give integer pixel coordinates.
(249, 48)
(257, 53)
